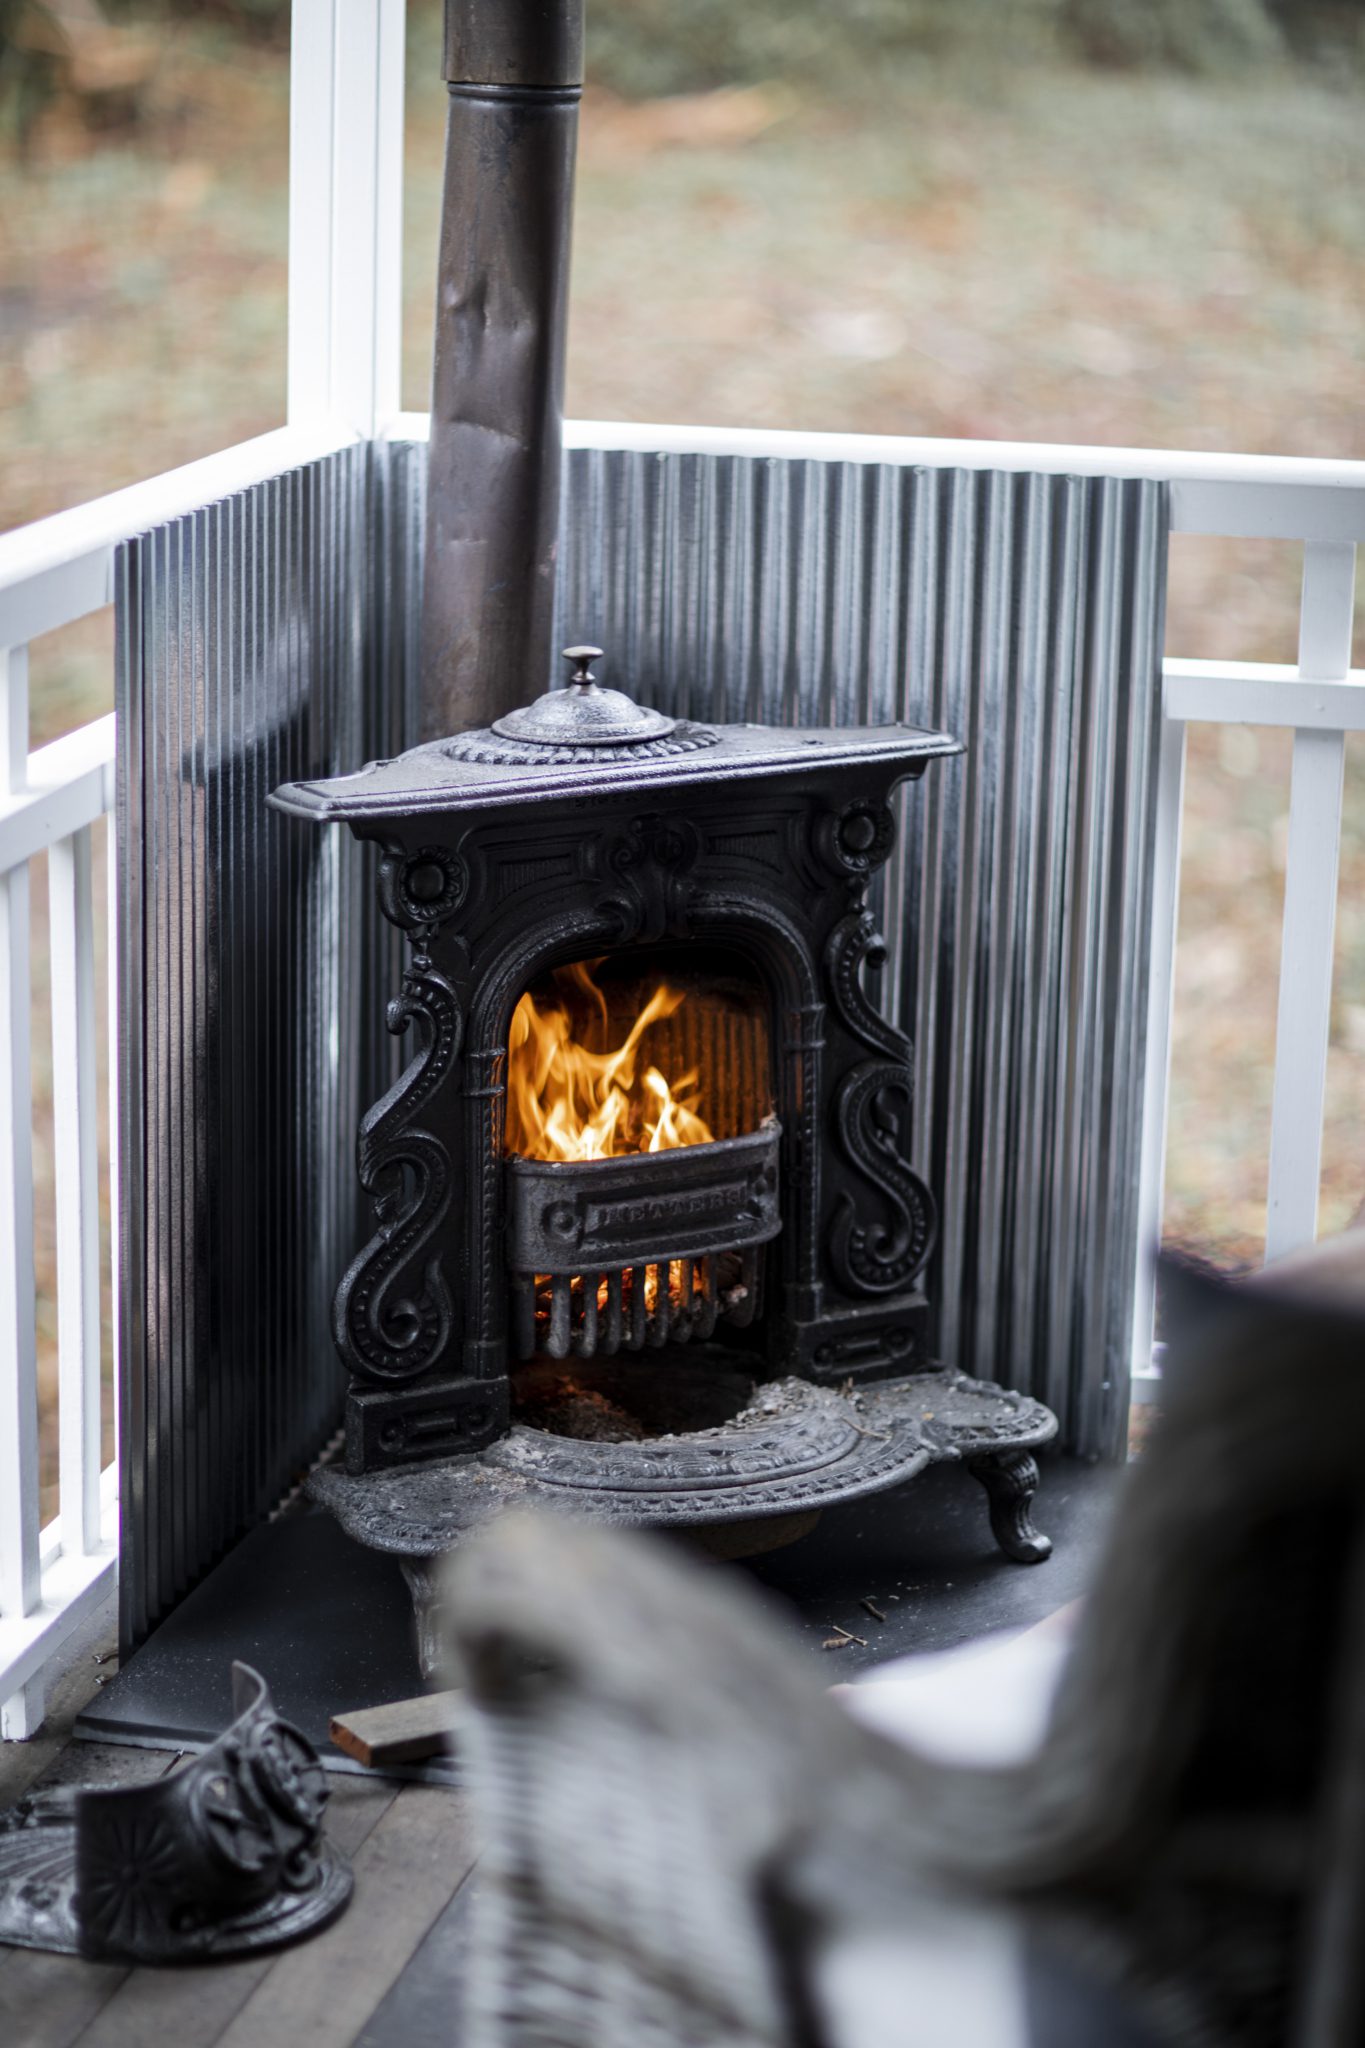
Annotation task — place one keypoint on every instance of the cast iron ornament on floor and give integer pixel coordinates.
(582, 826)
(224, 1857)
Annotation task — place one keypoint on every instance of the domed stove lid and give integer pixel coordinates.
(586, 741)
(583, 714)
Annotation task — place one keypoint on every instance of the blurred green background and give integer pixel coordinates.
(1125, 222)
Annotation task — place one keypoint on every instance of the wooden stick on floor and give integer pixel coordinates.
(403, 1732)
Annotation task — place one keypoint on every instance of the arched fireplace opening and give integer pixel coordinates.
(642, 1149)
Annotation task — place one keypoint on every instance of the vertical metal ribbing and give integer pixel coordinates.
(1025, 613)
(257, 640)
(127, 937)
(277, 636)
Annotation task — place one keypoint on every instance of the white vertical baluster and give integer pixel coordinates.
(19, 1565)
(1157, 1069)
(75, 1114)
(1310, 901)
(346, 211)
(312, 60)
(112, 941)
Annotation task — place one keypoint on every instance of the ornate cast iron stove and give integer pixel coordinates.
(749, 1312)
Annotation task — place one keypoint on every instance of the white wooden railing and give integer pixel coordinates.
(344, 313)
(49, 1578)
(54, 1580)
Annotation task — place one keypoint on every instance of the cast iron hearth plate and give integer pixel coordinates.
(795, 1446)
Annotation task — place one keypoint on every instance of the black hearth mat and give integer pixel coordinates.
(328, 1624)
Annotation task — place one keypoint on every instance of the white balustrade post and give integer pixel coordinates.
(1170, 803)
(20, 1574)
(112, 1023)
(346, 212)
(75, 1114)
(1310, 901)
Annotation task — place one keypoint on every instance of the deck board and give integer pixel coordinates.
(47, 2001)
(321, 1994)
(388, 1974)
(422, 2009)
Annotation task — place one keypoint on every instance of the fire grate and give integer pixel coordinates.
(582, 1315)
(654, 1248)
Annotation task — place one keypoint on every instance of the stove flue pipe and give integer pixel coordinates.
(514, 69)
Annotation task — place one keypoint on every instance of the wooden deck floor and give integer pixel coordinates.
(385, 1975)
(396, 1946)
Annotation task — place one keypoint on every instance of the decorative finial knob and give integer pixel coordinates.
(582, 677)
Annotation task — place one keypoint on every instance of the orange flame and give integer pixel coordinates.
(564, 1102)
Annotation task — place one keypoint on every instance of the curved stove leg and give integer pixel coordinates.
(1011, 1480)
(423, 1577)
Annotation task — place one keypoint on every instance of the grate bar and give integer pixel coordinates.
(587, 1315)
(611, 1342)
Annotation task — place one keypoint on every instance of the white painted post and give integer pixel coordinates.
(20, 1572)
(113, 908)
(346, 212)
(75, 1119)
(1170, 800)
(1310, 901)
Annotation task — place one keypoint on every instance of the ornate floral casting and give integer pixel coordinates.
(650, 863)
(484, 747)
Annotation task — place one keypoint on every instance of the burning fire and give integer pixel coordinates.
(564, 1102)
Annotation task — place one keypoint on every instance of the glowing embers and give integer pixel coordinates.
(610, 1401)
(567, 1099)
(664, 1301)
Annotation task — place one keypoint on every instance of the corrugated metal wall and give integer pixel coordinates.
(253, 976)
(1024, 613)
(273, 637)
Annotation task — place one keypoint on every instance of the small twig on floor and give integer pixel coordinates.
(847, 1636)
(872, 1608)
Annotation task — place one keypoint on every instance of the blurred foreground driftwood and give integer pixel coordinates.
(688, 1840)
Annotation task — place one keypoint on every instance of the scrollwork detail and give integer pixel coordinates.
(872, 1118)
(856, 943)
(382, 1331)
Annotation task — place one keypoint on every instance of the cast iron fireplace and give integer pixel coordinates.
(648, 1241)
(707, 1306)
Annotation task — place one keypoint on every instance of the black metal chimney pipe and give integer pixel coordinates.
(514, 69)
